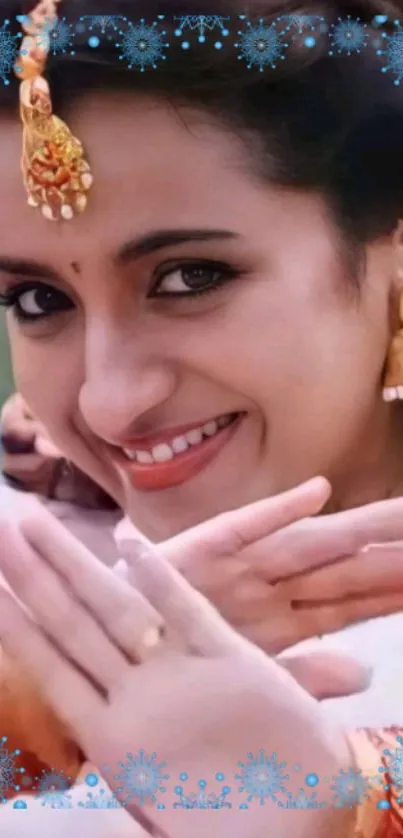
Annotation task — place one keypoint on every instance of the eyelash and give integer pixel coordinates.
(10, 299)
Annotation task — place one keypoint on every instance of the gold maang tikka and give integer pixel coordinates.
(55, 172)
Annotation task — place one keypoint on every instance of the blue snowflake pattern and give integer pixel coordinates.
(393, 52)
(202, 799)
(141, 778)
(262, 777)
(302, 23)
(302, 801)
(201, 24)
(395, 767)
(100, 800)
(142, 45)
(304, 28)
(8, 52)
(261, 46)
(348, 36)
(56, 36)
(52, 789)
(350, 788)
(8, 769)
(104, 23)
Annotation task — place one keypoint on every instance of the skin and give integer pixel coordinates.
(88, 643)
(138, 365)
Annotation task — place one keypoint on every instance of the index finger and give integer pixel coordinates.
(310, 544)
(232, 532)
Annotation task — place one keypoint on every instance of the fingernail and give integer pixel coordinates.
(121, 569)
(370, 548)
(135, 548)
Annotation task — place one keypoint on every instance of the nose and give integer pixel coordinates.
(122, 389)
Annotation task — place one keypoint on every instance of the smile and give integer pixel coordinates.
(174, 459)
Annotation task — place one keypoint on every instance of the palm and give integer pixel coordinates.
(202, 698)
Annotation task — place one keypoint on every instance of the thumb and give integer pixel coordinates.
(328, 674)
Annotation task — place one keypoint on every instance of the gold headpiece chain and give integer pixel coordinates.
(55, 172)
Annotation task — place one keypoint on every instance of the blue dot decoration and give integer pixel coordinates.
(20, 804)
(185, 45)
(311, 780)
(183, 776)
(93, 42)
(218, 45)
(310, 42)
(383, 804)
(220, 776)
(91, 780)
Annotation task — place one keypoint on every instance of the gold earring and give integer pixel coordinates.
(393, 383)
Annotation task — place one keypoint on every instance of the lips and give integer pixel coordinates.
(175, 458)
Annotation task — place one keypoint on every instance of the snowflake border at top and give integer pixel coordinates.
(142, 45)
(260, 45)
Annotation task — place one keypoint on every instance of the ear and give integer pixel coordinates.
(398, 261)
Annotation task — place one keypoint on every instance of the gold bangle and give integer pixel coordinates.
(370, 818)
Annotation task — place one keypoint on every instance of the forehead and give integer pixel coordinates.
(154, 169)
(150, 167)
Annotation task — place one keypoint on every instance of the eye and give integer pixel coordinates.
(35, 302)
(192, 279)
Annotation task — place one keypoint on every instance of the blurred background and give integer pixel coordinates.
(5, 370)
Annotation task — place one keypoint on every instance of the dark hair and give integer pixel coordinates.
(331, 124)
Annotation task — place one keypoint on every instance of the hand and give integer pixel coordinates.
(203, 696)
(32, 463)
(29, 456)
(280, 584)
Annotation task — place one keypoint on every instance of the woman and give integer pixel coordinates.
(197, 212)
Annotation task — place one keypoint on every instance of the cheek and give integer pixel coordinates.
(48, 382)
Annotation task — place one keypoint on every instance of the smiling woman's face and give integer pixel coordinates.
(200, 320)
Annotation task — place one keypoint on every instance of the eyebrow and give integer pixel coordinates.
(134, 249)
(152, 242)
(27, 268)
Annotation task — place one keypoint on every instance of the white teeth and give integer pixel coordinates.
(143, 457)
(180, 444)
(162, 453)
(210, 428)
(195, 437)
